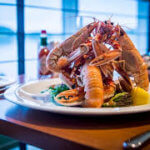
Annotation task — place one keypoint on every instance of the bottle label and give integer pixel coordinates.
(42, 65)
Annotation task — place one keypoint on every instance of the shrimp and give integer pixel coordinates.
(93, 86)
(105, 59)
(103, 56)
(134, 64)
(92, 92)
(71, 49)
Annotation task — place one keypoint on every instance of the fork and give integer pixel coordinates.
(137, 141)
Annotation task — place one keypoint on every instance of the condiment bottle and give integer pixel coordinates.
(43, 52)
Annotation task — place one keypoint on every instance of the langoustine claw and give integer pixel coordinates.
(58, 57)
(105, 58)
(71, 97)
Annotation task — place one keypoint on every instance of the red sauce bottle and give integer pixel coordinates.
(43, 52)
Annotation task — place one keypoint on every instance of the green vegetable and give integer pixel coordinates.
(120, 99)
(56, 90)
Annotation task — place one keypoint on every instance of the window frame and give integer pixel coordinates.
(66, 7)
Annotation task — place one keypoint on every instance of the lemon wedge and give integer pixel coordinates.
(140, 96)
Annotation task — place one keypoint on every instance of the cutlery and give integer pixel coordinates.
(137, 141)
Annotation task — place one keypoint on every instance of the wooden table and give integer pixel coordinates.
(52, 131)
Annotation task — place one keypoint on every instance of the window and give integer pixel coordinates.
(40, 15)
(8, 38)
(59, 18)
(132, 15)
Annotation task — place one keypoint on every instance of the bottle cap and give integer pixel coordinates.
(43, 31)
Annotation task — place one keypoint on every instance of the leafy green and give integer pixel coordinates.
(56, 90)
(120, 99)
(119, 96)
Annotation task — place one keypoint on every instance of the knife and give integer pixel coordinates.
(137, 141)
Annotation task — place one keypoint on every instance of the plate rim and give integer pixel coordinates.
(34, 82)
(9, 93)
(10, 81)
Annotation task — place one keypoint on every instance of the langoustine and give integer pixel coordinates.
(95, 62)
(70, 49)
(134, 63)
(94, 90)
(92, 93)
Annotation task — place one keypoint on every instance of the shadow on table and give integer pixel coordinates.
(22, 114)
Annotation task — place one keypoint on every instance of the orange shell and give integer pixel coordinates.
(92, 81)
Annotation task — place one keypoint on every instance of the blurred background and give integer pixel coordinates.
(22, 21)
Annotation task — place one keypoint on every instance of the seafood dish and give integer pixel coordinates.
(86, 63)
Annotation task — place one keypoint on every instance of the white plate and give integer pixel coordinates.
(33, 89)
(4, 88)
(6, 81)
(30, 102)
